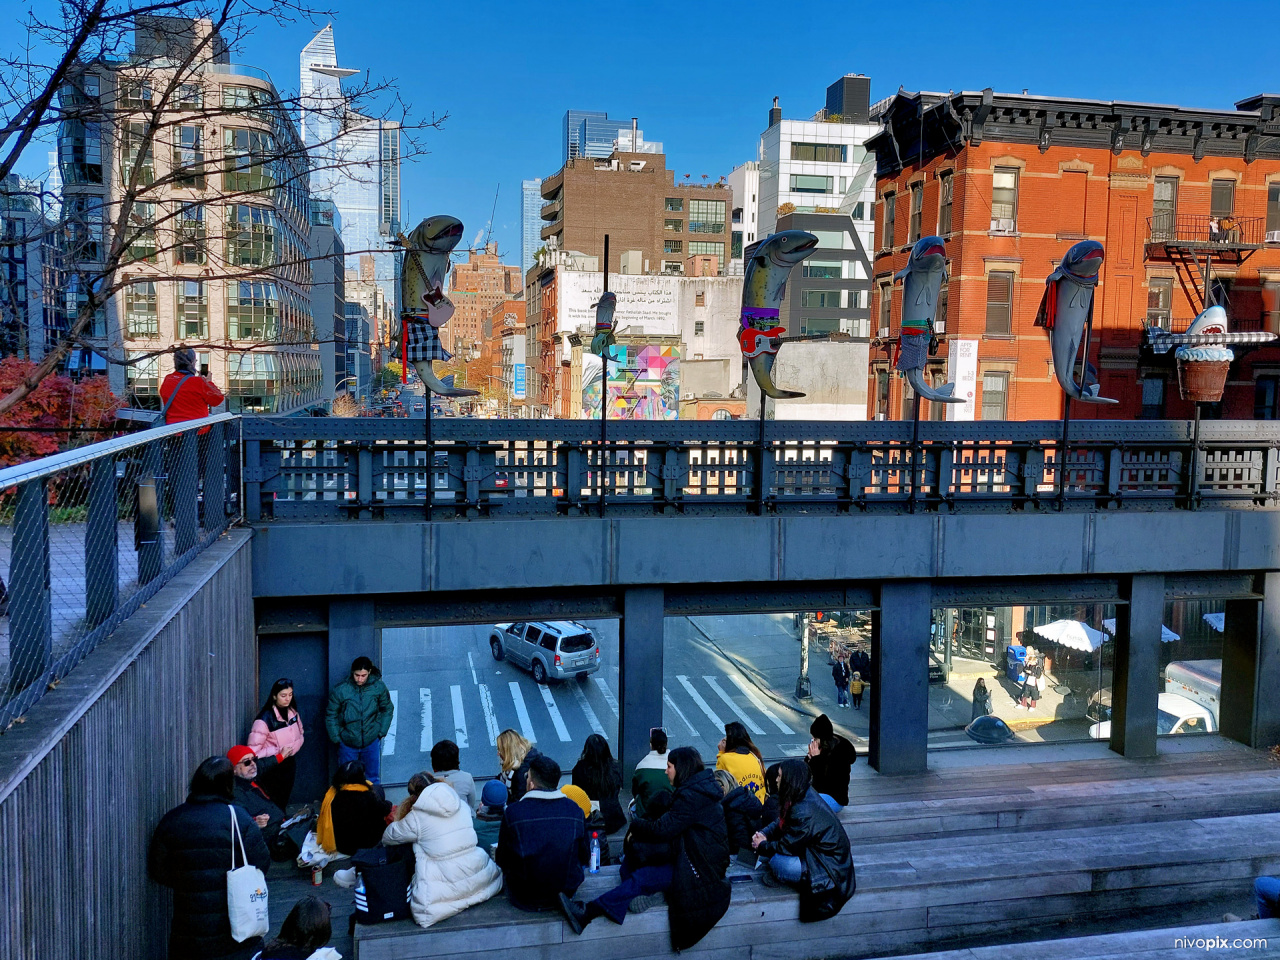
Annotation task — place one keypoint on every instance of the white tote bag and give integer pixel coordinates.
(246, 892)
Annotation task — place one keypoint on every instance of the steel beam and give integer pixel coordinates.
(1135, 685)
(899, 695)
(640, 651)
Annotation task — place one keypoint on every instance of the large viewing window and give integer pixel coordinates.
(820, 152)
(811, 183)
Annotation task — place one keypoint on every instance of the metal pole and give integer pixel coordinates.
(762, 480)
(431, 460)
(604, 387)
(804, 688)
(1062, 451)
(915, 450)
(1193, 470)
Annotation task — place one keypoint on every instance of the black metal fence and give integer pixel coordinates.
(88, 536)
(1206, 231)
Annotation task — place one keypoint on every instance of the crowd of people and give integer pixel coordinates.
(687, 833)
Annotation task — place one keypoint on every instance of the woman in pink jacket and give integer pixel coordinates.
(278, 733)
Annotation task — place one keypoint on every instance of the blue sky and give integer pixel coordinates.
(701, 77)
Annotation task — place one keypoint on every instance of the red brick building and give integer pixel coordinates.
(1186, 203)
(491, 281)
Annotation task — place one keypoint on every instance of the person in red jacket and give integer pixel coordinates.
(186, 394)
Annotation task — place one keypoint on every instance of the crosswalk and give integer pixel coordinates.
(473, 713)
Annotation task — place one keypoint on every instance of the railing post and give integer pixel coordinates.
(253, 480)
(364, 479)
(30, 609)
(148, 532)
(101, 544)
(186, 491)
(215, 478)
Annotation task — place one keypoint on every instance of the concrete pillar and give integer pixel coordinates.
(351, 634)
(899, 695)
(640, 649)
(1135, 686)
(1249, 706)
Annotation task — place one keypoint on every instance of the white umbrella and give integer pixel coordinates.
(1072, 633)
(1217, 620)
(1166, 635)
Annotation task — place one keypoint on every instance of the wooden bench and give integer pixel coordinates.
(912, 895)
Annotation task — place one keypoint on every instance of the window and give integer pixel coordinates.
(674, 267)
(1266, 398)
(140, 310)
(995, 396)
(809, 183)
(141, 231)
(1160, 300)
(820, 299)
(737, 215)
(251, 235)
(706, 216)
(940, 315)
(1153, 398)
(886, 299)
(908, 402)
(882, 394)
(821, 269)
(937, 411)
(1273, 212)
(548, 641)
(917, 210)
(1004, 199)
(192, 310)
(80, 152)
(143, 375)
(859, 211)
(1000, 303)
(889, 203)
(190, 96)
(252, 311)
(722, 414)
(701, 247)
(675, 204)
(698, 327)
(135, 151)
(1164, 209)
(188, 157)
(244, 99)
(253, 382)
(700, 299)
(946, 186)
(829, 239)
(135, 94)
(735, 245)
(673, 246)
(1222, 198)
(820, 152)
(84, 226)
(248, 160)
(810, 326)
(190, 234)
(533, 635)
(673, 226)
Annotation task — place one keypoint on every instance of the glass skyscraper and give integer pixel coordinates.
(590, 133)
(530, 222)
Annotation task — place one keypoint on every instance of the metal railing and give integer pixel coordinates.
(307, 469)
(88, 536)
(1206, 231)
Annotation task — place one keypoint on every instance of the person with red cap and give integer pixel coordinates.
(251, 797)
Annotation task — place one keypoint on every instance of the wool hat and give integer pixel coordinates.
(578, 796)
(494, 793)
(236, 754)
(821, 728)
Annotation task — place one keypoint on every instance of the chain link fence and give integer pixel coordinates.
(86, 537)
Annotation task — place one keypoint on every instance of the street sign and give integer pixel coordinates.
(518, 381)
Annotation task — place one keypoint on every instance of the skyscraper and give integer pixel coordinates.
(355, 163)
(591, 133)
(530, 221)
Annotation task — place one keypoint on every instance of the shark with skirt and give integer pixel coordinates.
(764, 284)
(603, 344)
(1066, 311)
(922, 279)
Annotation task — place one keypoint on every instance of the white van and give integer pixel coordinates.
(1197, 680)
(1174, 714)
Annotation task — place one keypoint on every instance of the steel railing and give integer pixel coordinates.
(1206, 231)
(88, 536)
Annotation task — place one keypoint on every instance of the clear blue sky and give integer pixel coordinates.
(701, 76)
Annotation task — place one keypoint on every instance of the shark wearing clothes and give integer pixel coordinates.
(1066, 311)
(763, 287)
(425, 307)
(603, 344)
(921, 283)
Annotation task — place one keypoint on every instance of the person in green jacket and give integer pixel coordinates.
(359, 716)
(650, 777)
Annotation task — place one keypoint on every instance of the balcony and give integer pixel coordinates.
(1203, 232)
(551, 211)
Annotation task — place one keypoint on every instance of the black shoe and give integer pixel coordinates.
(643, 903)
(575, 914)
(769, 880)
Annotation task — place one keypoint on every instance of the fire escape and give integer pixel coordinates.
(1192, 244)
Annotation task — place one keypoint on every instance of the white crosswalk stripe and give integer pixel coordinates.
(389, 741)
(737, 711)
(424, 698)
(592, 720)
(522, 712)
(605, 692)
(671, 704)
(459, 718)
(702, 704)
(760, 704)
(561, 730)
(490, 718)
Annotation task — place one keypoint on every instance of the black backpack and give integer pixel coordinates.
(387, 873)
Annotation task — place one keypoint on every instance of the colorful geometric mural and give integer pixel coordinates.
(643, 385)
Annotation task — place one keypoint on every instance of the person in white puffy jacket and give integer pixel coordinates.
(451, 872)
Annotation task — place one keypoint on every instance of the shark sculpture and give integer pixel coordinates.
(921, 282)
(425, 307)
(604, 344)
(763, 286)
(1066, 311)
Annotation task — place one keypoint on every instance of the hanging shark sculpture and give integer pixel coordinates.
(425, 308)
(604, 344)
(921, 282)
(764, 284)
(1066, 311)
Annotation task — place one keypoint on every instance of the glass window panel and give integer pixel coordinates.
(1000, 302)
(810, 183)
(1004, 194)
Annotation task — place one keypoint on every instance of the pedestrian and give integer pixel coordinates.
(359, 716)
(190, 853)
(451, 872)
(352, 814)
(542, 843)
(444, 766)
(185, 394)
(250, 795)
(741, 757)
(277, 733)
(650, 776)
(857, 686)
(806, 847)
(830, 758)
(697, 893)
(743, 816)
(599, 775)
(515, 754)
(840, 673)
(981, 700)
(493, 804)
(304, 935)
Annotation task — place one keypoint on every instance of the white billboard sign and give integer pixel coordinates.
(649, 303)
(962, 370)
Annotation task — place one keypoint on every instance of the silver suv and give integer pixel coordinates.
(549, 649)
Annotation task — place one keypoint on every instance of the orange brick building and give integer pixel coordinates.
(1186, 203)
(491, 281)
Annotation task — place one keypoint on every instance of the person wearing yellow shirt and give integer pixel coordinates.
(856, 686)
(740, 757)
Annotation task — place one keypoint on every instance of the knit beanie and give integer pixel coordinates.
(236, 754)
(578, 796)
(494, 793)
(821, 728)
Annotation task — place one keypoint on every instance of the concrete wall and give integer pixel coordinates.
(832, 374)
(87, 776)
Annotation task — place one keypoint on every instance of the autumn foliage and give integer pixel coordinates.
(57, 404)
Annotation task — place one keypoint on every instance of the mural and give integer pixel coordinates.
(644, 383)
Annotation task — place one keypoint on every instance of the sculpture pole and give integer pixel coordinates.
(604, 388)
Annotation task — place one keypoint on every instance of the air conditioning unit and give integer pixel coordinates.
(1273, 236)
(1002, 225)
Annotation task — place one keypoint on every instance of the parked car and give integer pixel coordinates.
(1174, 714)
(549, 649)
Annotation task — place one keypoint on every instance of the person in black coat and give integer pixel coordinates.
(249, 794)
(981, 700)
(359, 810)
(830, 758)
(743, 816)
(190, 853)
(841, 673)
(807, 848)
(600, 777)
(697, 893)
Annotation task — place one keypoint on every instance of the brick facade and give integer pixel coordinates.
(490, 281)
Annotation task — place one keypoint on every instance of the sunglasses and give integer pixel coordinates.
(284, 682)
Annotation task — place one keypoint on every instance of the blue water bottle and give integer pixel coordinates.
(593, 865)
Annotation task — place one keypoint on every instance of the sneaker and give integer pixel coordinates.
(574, 913)
(769, 880)
(1231, 918)
(641, 904)
(345, 878)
